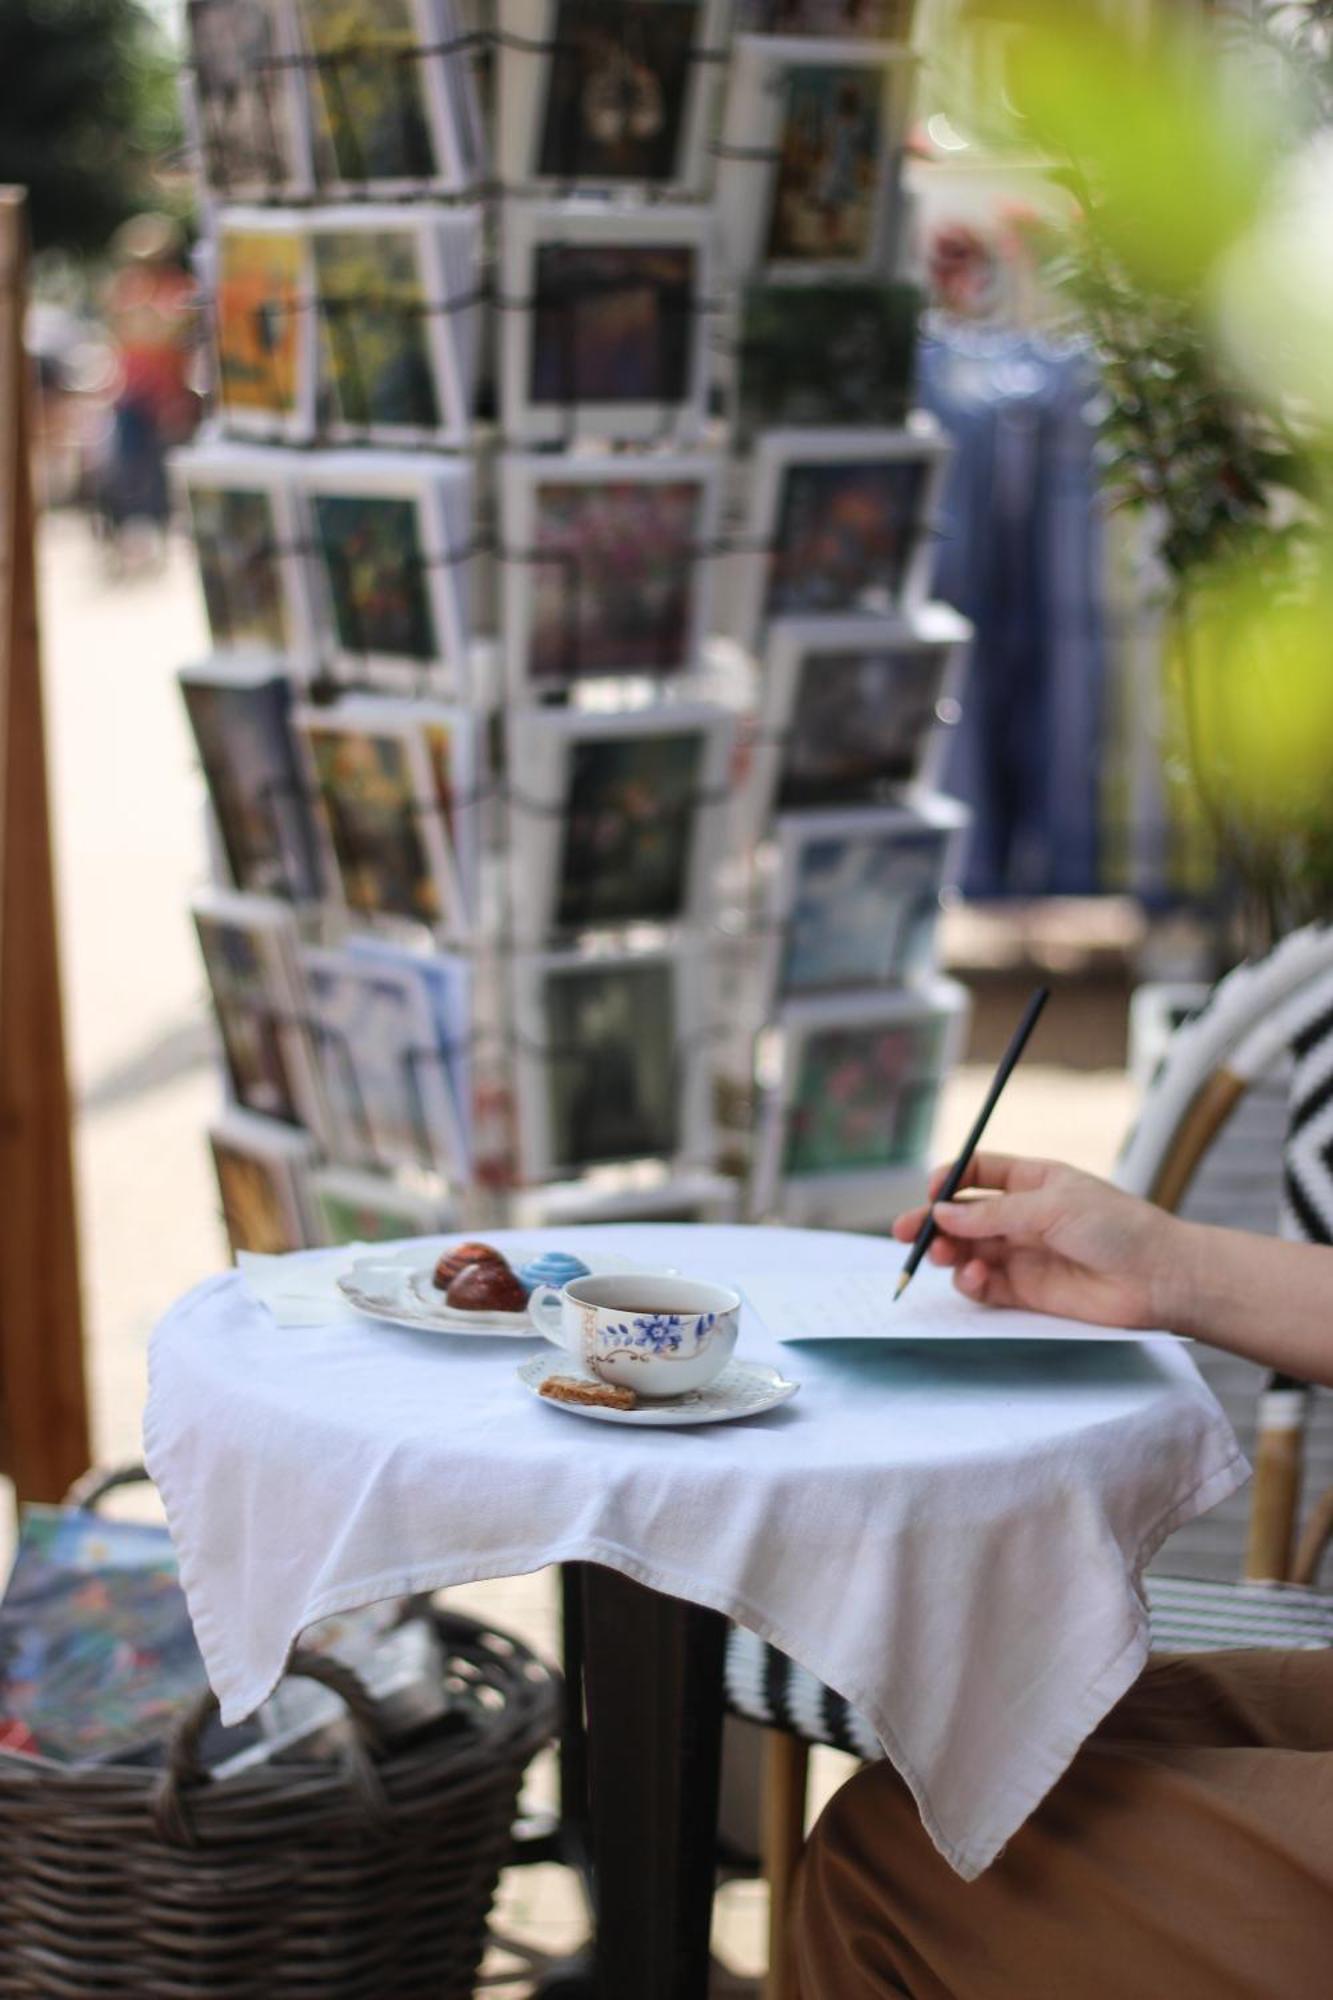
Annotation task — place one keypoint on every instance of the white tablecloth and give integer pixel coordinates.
(952, 1538)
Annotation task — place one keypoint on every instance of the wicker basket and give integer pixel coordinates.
(366, 1880)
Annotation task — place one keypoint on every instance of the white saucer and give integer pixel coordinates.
(743, 1389)
(388, 1292)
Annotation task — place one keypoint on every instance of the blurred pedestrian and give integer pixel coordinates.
(150, 307)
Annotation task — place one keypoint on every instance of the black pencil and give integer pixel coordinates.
(925, 1236)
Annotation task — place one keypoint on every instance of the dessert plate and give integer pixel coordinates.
(388, 1292)
(402, 1293)
(743, 1389)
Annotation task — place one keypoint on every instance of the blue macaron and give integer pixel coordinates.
(554, 1268)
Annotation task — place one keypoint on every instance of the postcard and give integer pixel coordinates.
(388, 1095)
(825, 354)
(604, 331)
(618, 818)
(607, 93)
(448, 981)
(242, 103)
(348, 1206)
(609, 566)
(262, 1173)
(810, 140)
(853, 709)
(249, 951)
(387, 537)
(856, 896)
(387, 790)
(384, 100)
(247, 545)
(240, 717)
(859, 1083)
(396, 292)
(839, 522)
(612, 1060)
(264, 323)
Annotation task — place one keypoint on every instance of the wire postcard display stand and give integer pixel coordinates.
(564, 532)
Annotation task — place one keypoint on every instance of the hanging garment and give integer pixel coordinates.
(1020, 555)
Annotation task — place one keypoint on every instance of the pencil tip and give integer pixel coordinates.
(901, 1286)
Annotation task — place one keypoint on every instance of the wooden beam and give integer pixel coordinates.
(43, 1401)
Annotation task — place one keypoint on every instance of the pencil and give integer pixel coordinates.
(925, 1236)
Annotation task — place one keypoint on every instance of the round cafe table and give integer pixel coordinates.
(951, 1534)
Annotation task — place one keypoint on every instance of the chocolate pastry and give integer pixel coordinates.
(458, 1259)
(487, 1287)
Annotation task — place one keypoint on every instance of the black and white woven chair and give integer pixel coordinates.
(1266, 1026)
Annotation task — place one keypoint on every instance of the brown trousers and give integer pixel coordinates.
(1187, 1854)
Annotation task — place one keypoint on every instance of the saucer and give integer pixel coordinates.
(743, 1389)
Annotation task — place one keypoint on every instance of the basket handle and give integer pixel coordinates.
(184, 1775)
(88, 1492)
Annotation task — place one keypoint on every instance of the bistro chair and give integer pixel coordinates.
(1236, 1128)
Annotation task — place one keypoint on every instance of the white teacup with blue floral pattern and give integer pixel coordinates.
(657, 1336)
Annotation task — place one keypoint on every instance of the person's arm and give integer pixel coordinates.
(1050, 1239)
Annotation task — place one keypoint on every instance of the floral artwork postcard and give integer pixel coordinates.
(240, 721)
(374, 794)
(853, 709)
(839, 522)
(610, 572)
(369, 89)
(611, 339)
(377, 371)
(864, 1097)
(611, 1056)
(826, 354)
(613, 324)
(263, 330)
(627, 838)
(374, 556)
(611, 1062)
(621, 818)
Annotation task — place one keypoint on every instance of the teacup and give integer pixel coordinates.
(659, 1336)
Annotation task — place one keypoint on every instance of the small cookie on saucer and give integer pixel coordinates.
(603, 1395)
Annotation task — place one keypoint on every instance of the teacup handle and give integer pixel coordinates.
(547, 1313)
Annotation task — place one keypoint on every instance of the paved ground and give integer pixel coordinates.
(129, 834)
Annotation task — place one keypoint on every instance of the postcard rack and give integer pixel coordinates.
(535, 552)
(43, 1402)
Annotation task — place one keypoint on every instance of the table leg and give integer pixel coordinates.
(653, 1675)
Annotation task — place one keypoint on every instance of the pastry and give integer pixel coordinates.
(487, 1287)
(555, 1268)
(602, 1395)
(458, 1259)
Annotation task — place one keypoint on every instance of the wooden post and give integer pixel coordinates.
(43, 1403)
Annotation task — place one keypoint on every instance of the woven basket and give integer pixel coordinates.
(366, 1880)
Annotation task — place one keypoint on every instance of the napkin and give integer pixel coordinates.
(301, 1289)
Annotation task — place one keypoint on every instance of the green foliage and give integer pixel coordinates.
(87, 109)
(1190, 265)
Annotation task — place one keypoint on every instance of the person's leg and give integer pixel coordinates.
(1187, 1852)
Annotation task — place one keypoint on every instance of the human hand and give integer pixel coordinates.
(1050, 1239)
